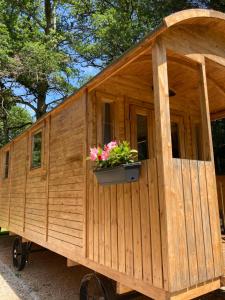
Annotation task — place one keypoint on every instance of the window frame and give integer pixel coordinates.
(179, 120)
(32, 134)
(101, 100)
(135, 110)
(4, 164)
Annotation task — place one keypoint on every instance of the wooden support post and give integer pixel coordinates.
(163, 142)
(206, 125)
(122, 289)
(71, 263)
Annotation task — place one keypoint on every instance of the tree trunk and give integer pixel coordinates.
(50, 15)
(5, 128)
(41, 105)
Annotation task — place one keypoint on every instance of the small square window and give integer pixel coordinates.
(6, 165)
(36, 150)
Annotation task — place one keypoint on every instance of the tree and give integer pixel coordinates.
(37, 62)
(46, 43)
(108, 28)
(13, 122)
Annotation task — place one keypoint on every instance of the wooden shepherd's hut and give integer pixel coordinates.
(159, 235)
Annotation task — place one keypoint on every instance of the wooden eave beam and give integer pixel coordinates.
(217, 115)
(189, 14)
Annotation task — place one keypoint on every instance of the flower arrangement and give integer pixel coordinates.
(113, 154)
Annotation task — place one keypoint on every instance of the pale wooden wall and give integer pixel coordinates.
(195, 242)
(18, 185)
(47, 204)
(124, 226)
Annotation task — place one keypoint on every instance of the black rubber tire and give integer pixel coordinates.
(19, 254)
(104, 284)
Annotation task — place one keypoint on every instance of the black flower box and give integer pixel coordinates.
(120, 174)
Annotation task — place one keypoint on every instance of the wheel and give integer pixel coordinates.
(96, 287)
(19, 254)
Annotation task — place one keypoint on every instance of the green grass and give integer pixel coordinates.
(3, 231)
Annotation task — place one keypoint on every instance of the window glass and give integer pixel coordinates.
(36, 150)
(107, 123)
(175, 140)
(218, 135)
(142, 137)
(6, 165)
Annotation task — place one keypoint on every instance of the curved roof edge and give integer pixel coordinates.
(188, 14)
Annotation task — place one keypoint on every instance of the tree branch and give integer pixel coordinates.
(21, 126)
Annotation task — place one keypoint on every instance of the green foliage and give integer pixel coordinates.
(109, 28)
(46, 43)
(35, 52)
(17, 120)
(122, 154)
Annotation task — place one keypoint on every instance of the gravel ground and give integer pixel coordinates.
(46, 277)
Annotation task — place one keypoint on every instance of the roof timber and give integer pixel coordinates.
(190, 14)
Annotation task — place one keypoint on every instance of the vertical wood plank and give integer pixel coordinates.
(198, 221)
(26, 170)
(10, 179)
(107, 204)
(137, 230)
(90, 218)
(190, 225)
(145, 224)
(85, 103)
(128, 230)
(114, 228)
(96, 219)
(101, 225)
(121, 229)
(214, 218)
(180, 259)
(155, 224)
(48, 147)
(205, 221)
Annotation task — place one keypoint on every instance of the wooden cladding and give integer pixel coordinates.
(194, 242)
(46, 204)
(124, 226)
(124, 229)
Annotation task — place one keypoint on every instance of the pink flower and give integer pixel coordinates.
(105, 155)
(94, 153)
(111, 145)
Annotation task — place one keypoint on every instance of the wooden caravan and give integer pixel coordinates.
(161, 234)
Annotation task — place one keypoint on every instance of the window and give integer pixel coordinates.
(36, 150)
(6, 164)
(142, 137)
(107, 122)
(175, 139)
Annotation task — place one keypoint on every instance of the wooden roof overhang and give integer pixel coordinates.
(187, 33)
(190, 37)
